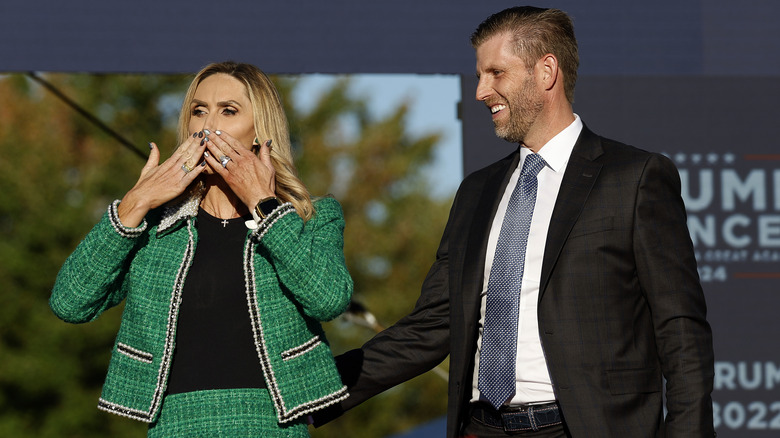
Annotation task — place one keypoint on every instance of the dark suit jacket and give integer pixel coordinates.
(620, 304)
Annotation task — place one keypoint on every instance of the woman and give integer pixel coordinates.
(227, 267)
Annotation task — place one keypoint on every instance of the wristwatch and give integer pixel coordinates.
(266, 206)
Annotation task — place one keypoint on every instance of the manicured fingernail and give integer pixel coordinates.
(207, 131)
(200, 134)
(268, 143)
(206, 139)
(194, 134)
(151, 146)
(206, 154)
(218, 132)
(202, 141)
(203, 163)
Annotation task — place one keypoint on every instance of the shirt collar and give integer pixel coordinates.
(557, 151)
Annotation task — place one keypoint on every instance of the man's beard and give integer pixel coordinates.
(524, 108)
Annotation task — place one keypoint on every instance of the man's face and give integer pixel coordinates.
(508, 88)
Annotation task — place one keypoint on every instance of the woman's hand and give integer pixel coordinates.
(159, 183)
(250, 177)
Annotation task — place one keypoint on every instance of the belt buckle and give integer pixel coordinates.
(520, 409)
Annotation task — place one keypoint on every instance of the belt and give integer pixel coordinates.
(517, 418)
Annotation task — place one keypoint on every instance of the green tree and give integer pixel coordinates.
(59, 172)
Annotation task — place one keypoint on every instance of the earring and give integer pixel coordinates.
(255, 146)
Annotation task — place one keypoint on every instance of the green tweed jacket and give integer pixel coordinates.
(295, 276)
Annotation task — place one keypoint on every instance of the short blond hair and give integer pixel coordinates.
(535, 33)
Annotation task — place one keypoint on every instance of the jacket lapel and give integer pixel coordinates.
(184, 206)
(581, 174)
(476, 243)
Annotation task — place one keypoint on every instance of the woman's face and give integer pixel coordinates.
(221, 103)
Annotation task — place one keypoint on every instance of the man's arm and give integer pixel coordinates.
(667, 272)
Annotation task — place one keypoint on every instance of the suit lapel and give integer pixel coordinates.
(581, 174)
(481, 197)
(477, 239)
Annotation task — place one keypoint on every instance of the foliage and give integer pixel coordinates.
(59, 172)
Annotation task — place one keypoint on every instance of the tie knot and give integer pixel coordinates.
(532, 165)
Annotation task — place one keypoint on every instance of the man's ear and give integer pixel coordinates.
(549, 71)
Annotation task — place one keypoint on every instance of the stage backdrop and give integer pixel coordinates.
(697, 80)
(686, 88)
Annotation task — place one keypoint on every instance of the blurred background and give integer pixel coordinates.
(380, 102)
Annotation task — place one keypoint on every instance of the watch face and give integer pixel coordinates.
(268, 206)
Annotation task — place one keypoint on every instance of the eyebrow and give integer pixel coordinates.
(223, 103)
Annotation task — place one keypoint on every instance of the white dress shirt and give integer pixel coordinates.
(533, 383)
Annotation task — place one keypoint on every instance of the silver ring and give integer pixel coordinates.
(186, 168)
(224, 160)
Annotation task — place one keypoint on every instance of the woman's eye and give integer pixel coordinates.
(197, 112)
(229, 111)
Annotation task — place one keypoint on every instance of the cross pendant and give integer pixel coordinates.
(224, 223)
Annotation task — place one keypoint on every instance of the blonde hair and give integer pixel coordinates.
(270, 123)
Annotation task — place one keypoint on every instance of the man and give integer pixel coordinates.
(566, 296)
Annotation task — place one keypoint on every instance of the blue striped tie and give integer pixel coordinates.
(499, 335)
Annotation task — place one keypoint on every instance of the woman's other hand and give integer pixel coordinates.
(251, 177)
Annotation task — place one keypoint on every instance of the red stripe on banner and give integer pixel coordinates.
(756, 275)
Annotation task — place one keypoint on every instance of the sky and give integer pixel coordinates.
(433, 108)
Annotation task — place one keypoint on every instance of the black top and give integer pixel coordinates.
(215, 346)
